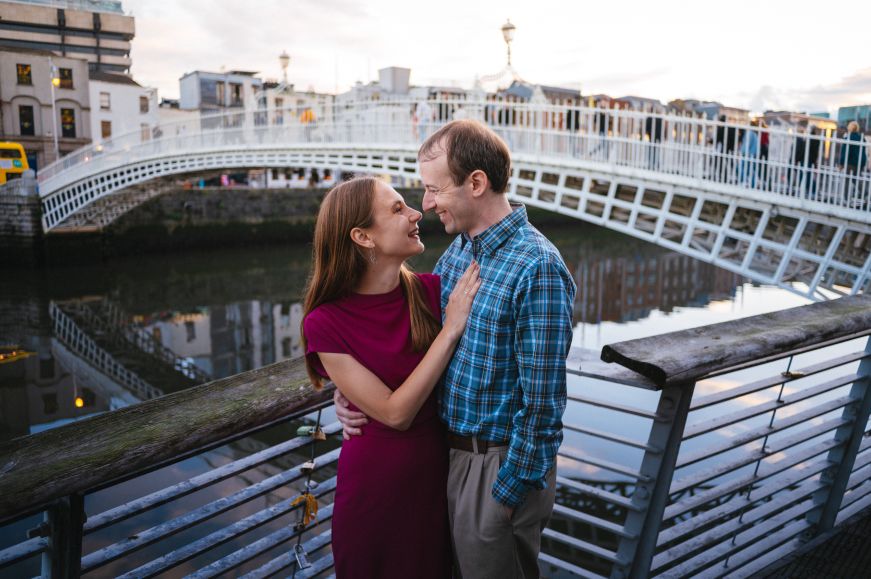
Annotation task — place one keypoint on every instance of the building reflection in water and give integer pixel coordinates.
(625, 289)
(53, 388)
(244, 334)
(226, 340)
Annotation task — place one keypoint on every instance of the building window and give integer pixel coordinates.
(25, 121)
(105, 129)
(49, 404)
(24, 76)
(219, 93)
(143, 104)
(235, 94)
(105, 101)
(68, 123)
(88, 397)
(46, 369)
(66, 77)
(190, 331)
(145, 131)
(279, 115)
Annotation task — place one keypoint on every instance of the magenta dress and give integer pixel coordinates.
(390, 516)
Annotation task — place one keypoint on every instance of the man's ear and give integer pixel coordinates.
(362, 238)
(480, 182)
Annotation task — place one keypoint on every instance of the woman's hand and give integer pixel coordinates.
(460, 302)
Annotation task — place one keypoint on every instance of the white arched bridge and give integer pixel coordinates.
(776, 206)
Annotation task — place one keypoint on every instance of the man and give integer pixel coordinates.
(424, 115)
(504, 392)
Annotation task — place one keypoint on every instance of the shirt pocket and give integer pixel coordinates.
(492, 323)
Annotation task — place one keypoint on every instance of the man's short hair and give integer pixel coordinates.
(470, 146)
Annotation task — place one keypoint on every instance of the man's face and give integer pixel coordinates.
(452, 203)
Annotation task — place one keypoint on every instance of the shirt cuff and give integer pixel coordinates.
(509, 490)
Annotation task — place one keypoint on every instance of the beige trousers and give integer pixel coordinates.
(488, 545)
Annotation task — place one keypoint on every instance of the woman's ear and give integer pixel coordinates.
(361, 237)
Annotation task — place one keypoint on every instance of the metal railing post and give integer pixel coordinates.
(827, 500)
(65, 520)
(635, 551)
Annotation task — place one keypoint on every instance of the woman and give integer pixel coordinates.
(372, 327)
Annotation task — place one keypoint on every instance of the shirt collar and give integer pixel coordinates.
(492, 238)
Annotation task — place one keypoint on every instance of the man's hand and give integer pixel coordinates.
(350, 419)
(509, 511)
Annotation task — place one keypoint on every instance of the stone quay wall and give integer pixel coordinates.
(20, 222)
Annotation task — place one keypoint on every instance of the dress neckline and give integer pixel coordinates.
(374, 299)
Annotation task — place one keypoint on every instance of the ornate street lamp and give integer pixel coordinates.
(284, 60)
(508, 34)
(55, 82)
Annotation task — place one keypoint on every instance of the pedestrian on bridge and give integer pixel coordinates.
(748, 166)
(423, 115)
(853, 156)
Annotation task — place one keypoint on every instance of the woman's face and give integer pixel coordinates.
(394, 229)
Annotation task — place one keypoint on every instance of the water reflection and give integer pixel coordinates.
(137, 329)
(112, 335)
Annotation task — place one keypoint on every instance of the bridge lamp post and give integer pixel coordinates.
(55, 82)
(508, 35)
(284, 60)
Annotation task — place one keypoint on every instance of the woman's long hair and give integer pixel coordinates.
(338, 264)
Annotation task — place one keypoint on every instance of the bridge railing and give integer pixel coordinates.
(802, 164)
(722, 449)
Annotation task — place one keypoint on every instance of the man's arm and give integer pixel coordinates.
(351, 420)
(542, 340)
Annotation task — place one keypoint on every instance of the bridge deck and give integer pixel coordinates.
(842, 553)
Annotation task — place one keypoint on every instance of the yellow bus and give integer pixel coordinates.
(13, 161)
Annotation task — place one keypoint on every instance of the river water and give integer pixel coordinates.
(225, 311)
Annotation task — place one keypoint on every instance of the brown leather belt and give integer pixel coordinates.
(471, 444)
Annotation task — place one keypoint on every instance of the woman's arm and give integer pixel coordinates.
(397, 408)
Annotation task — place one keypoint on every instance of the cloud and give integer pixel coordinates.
(852, 89)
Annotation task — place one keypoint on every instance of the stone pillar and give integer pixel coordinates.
(21, 237)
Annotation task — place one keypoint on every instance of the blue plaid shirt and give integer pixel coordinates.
(507, 379)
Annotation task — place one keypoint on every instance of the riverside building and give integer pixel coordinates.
(65, 66)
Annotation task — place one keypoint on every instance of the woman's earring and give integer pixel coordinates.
(372, 257)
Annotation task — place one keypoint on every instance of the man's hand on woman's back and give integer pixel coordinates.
(351, 420)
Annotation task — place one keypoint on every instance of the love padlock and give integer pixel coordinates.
(302, 561)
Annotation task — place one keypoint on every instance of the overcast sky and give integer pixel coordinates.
(760, 54)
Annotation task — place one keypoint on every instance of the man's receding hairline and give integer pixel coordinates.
(432, 151)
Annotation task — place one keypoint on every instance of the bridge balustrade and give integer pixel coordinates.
(708, 452)
(791, 165)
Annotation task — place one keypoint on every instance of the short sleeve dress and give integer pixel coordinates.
(390, 511)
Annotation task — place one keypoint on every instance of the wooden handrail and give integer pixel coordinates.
(688, 355)
(38, 469)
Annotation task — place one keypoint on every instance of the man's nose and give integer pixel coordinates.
(428, 201)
